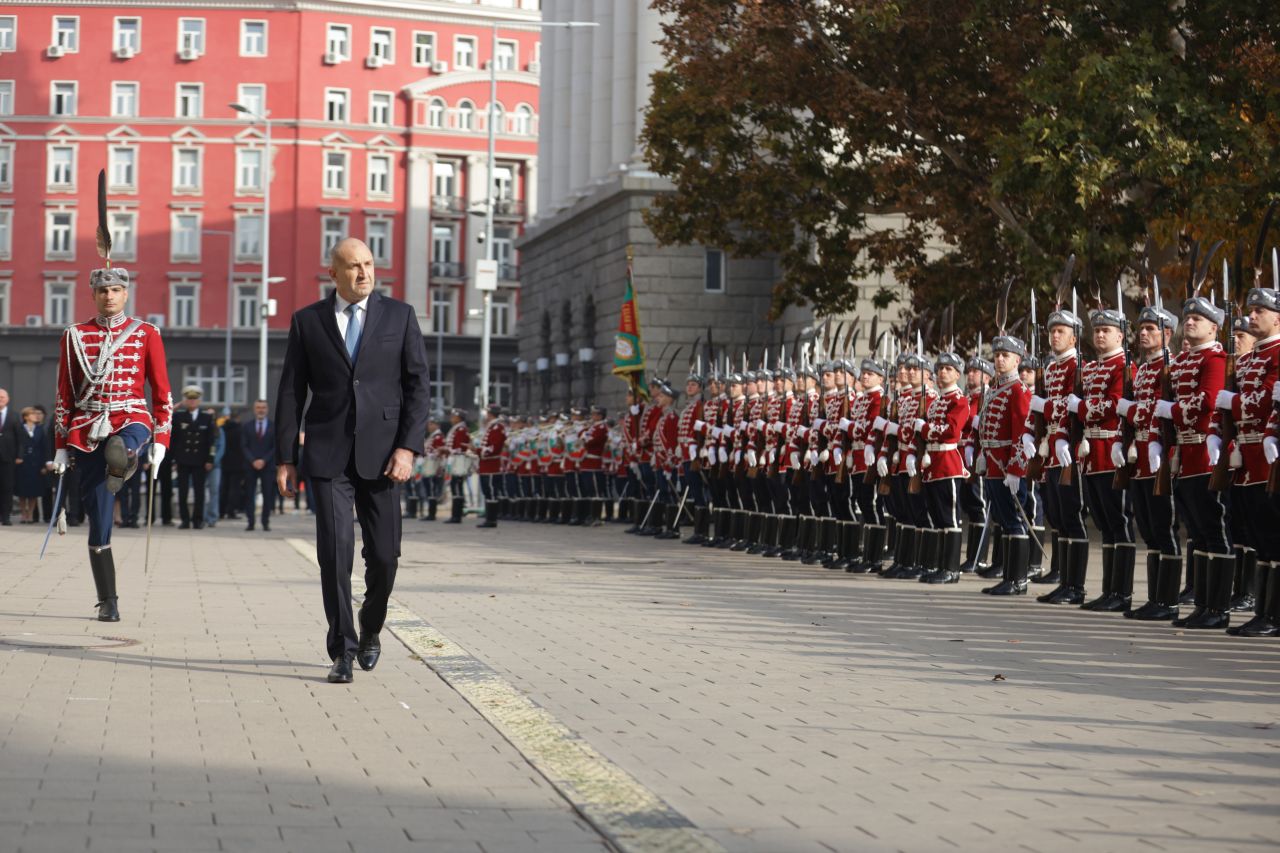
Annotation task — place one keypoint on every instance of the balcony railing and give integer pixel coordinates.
(511, 208)
(509, 272)
(446, 269)
(448, 205)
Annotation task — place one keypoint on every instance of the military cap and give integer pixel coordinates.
(1157, 317)
(1107, 317)
(494, 409)
(785, 373)
(599, 410)
(982, 365)
(1063, 317)
(1204, 308)
(870, 365)
(1241, 324)
(695, 376)
(192, 392)
(1029, 362)
(108, 277)
(735, 379)
(1010, 344)
(913, 362)
(948, 359)
(1263, 297)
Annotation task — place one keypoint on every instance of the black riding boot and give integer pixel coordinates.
(490, 514)
(1071, 567)
(796, 549)
(432, 506)
(1188, 594)
(700, 520)
(1219, 573)
(104, 580)
(1162, 589)
(788, 529)
(768, 537)
(823, 544)
(903, 552)
(1242, 597)
(870, 546)
(995, 568)
(1108, 571)
(1266, 620)
(1017, 565)
(930, 562)
(976, 547)
(1054, 575)
(949, 559)
(1199, 587)
(455, 516)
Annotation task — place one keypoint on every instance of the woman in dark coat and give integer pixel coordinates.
(29, 475)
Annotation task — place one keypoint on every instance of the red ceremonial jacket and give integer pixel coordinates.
(1252, 407)
(1142, 414)
(593, 439)
(1103, 384)
(458, 440)
(945, 421)
(1001, 425)
(1197, 376)
(491, 445)
(1059, 382)
(863, 412)
(687, 430)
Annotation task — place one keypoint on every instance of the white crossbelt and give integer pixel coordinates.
(938, 448)
(1190, 437)
(1094, 433)
(995, 445)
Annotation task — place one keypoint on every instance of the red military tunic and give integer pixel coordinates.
(1252, 406)
(116, 395)
(1059, 382)
(1103, 384)
(648, 449)
(944, 424)
(491, 446)
(969, 439)
(793, 413)
(593, 440)
(435, 448)
(666, 442)
(1001, 425)
(863, 414)
(736, 424)
(689, 428)
(775, 415)
(1197, 375)
(834, 409)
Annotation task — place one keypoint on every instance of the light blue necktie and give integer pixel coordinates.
(353, 332)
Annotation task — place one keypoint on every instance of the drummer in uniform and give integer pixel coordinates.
(433, 456)
(492, 442)
(457, 444)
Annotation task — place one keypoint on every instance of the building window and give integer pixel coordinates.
(124, 235)
(504, 184)
(253, 96)
(435, 113)
(714, 271)
(128, 34)
(8, 33)
(380, 175)
(444, 181)
(444, 311)
(522, 121)
(506, 56)
(124, 100)
(59, 243)
(501, 313)
(500, 389)
(124, 167)
(335, 172)
(333, 229)
(504, 252)
(63, 100)
(6, 166)
(184, 305)
(191, 35)
(441, 396)
(62, 167)
(378, 238)
(6, 97)
(248, 170)
(380, 108)
(57, 304)
(185, 242)
(424, 49)
(338, 41)
(253, 38)
(246, 306)
(249, 237)
(444, 239)
(335, 104)
(66, 34)
(464, 52)
(190, 100)
(498, 115)
(186, 170)
(209, 378)
(466, 115)
(382, 44)
(6, 234)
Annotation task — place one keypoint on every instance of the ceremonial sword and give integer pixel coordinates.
(55, 516)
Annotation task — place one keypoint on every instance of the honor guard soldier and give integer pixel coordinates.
(690, 430)
(434, 457)
(973, 501)
(863, 438)
(592, 482)
(666, 464)
(1003, 418)
(942, 471)
(102, 416)
(457, 444)
(492, 443)
(194, 447)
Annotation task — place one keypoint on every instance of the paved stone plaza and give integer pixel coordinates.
(557, 689)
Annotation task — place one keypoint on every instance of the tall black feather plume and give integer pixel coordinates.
(1202, 274)
(103, 235)
(1260, 246)
(1191, 269)
(1064, 281)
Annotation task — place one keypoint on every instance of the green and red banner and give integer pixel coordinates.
(628, 349)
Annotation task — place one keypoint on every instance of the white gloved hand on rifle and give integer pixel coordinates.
(1271, 448)
(869, 455)
(1117, 454)
(837, 456)
(60, 461)
(155, 455)
(911, 464)
(1155, 456)
(882, 467)
(751, 459)
(1213, 444)
(1062, 451)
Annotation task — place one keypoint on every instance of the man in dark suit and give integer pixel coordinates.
(233, 468)
(258, 440)
(361, 358)
(193, 449)
(10, 423)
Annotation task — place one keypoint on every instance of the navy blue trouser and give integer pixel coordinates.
(99, 504)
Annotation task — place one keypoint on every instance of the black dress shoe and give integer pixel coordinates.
(183, 526)
(199, 525)
(249, 526)
(369, 652)
(340, 673)
(266, 525)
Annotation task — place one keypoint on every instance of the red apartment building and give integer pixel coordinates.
(378, 112)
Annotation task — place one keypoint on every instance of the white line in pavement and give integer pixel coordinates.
(631, 816)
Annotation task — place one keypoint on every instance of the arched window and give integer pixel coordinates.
(497, 115)
(466, 115)
(523, 123)
(435, 113)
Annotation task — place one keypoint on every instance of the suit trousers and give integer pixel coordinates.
(191, 476)
(264, 480)
(377, 508)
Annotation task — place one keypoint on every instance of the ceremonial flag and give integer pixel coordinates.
(628, 349)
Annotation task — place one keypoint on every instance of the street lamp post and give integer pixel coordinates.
(265, 118)
(226, 354)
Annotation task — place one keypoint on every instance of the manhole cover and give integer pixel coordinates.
(63, 641)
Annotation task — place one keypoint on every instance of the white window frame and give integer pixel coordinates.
(116, 87)
(452, 243)
(126, 249)
(198, 43)
(437, 113)
(73, 45)
(390, 105)
(113, 182)
(209, 379)
(51, 253)
(245, 250)
(243, 188)
(468, 108)
(445, 309)
(6, 291)
(174, 230)
(502, 307)
(246, 305)
(454, 168)
(522, 120)
(256, 105)
(12, 28)
(331, 191)
(244, 36)
(8, 88)
(331, 93)
(65, 290)
(382, 258)
(458, 42)
(345, 54)
(386, 192)
(8, 151)
(389, 58)
(331, 237)
(53, 97)
(6, 235)
(116, 33)
(67, 186)
(192, 322)
(192, 188)
(417, 61)
(177, 100)
(515, 54)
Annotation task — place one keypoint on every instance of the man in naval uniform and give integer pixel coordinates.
(194, 450)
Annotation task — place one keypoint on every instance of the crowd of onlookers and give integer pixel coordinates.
(232, 484)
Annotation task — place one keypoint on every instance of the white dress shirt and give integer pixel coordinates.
(340, 306)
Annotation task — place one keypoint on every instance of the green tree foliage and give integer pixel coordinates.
(997, 135)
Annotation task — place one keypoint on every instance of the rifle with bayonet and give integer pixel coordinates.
(1124, 471)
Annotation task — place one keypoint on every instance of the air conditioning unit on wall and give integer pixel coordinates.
(374, 62)
(35, 320)
(124, 52)
(188, 53)
(55, 50)
(439, 66)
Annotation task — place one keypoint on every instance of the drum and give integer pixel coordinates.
(461, 465)
(430, 467)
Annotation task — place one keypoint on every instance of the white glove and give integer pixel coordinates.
(1062, 451)
(977, 422)
(156, 454)
(60, 461)
(1225, 400)
(869, 455)
(795, 460)
(838, 456)
(705, 454)
(824, 456)
(1037, 404)
(813, 458)
(1155, 455)
(1013, 482)
(968, 456)
(635, 409)
(1073, 402)
(1123, 406)
(751, 459)
(693, 452)
(721, 456)
(882, 467)
(891, 429)
(1275, 393)
(778, 426)
(737, 457)
(1271, 449)
(759, 424)
(818, 422)
(911, 464)
(1213, 444)
(1028, 445)
(699, 424)
(1117, 454)
(802, 430)
(1164, 409)
(879, 423)
(773, 454)
(918, 424)
(727, 431)
(844, 424)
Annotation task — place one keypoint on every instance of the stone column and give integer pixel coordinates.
(648, 59)
(533, 187)
(601, 88)
(561, 82)
(417, 241)
(546, 102)
(622, 137)
(468, 247)
(580, 112)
